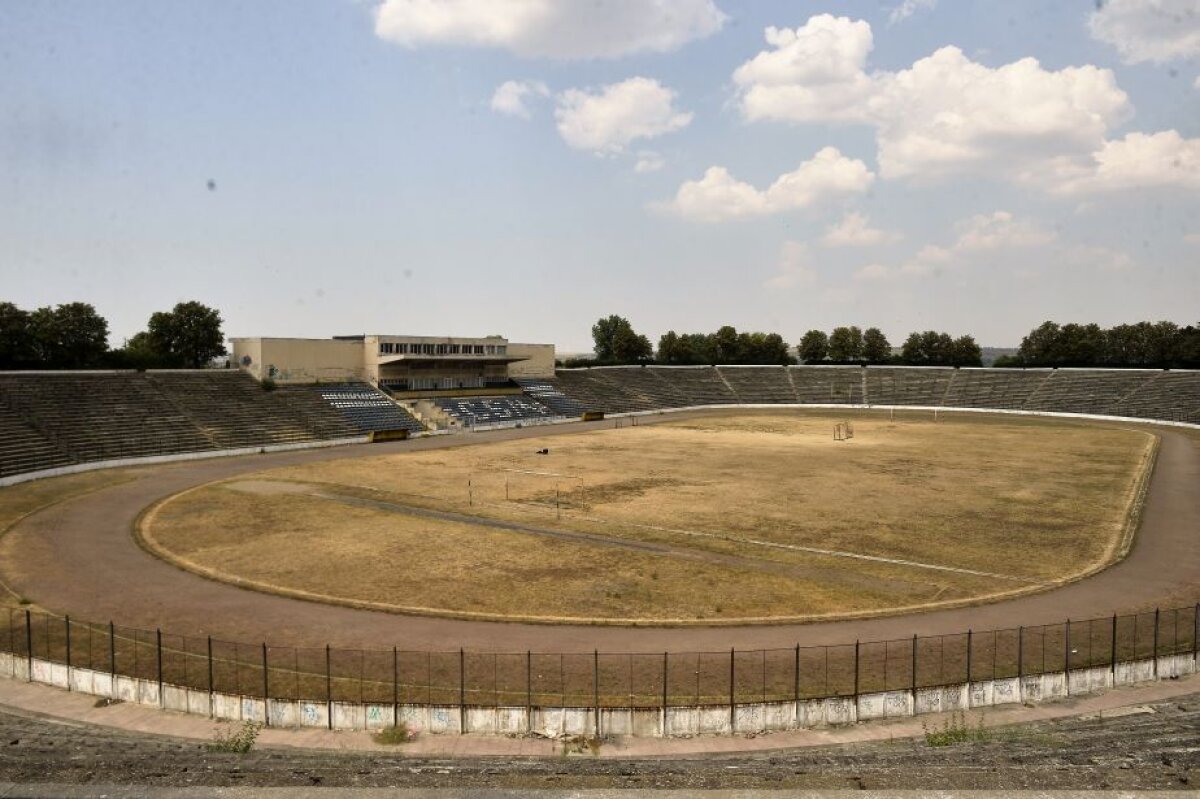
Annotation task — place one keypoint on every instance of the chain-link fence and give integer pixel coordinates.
(597, 679)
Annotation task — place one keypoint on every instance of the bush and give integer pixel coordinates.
(398, 733)
(955, 730)
(237, 741)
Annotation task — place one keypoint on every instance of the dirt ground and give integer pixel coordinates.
(709, 519)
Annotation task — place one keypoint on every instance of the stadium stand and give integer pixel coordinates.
(993, 388)
(494, 410)
(1085, 390)
(54, 419)
(827, 384)
(700, 385)
(81, 417)
(548, 394)
(898, 385)
(365, 408)
(759, 385)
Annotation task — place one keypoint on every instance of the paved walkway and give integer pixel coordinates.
(78, 557)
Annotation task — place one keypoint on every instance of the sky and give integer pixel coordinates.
(525, 167)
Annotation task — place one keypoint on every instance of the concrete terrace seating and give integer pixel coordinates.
(840, 385)
(23, 448)
(1174, 396)
(651, 390)
(595, 391)
(232, 410)
(494, 410)
(102, 416)
(759, 385)
(897, 385)
(365, 408)
(701, 385)
(547, 393)
(53, 419)
(993, 388)
(1086, 390)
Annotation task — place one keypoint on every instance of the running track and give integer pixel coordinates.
(78, 557)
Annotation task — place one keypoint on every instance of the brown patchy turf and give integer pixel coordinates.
(1040, 500)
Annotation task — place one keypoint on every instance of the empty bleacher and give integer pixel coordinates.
(827, 384)
(494, 410)
(898, 385)
(593, 390)
(1173, 395)
(1085, 390)
(53, 419)
(547, 393)
(363, 407)
(759, 385)
(700, 385)
(993, 388)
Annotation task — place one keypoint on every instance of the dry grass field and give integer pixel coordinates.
(706, 519)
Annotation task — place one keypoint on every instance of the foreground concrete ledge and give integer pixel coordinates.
(56, 704)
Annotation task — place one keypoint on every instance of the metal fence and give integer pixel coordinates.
(597, 679)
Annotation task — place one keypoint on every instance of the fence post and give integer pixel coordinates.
(1020, 657)
(211, 689)
(328, 689)
(1156, 643)
(1114, 651)
(856, 677)
(158, 664)
(528, 691)
(664, 697)
(462, 692)
(112, 658)
(732, 698)
(1195, 631)
(797, 686)
(266, 689)
(395, 686)
(596, 687)
(1067, 657)
(914, 673)
(67, 626)
(29, 643)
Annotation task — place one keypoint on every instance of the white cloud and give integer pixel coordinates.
(909, 7)
(975, 236)
(648, 161)
(794, 267)
(1148, 30)
(949, 115)
(812, 73)
(509, 97)
(719, 196)
(854, 230)
(1139, 160)
(607, 121)
(550, 28)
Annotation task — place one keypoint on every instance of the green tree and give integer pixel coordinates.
(965, 352)
(814, 347)
(929, 348)
(845, 344)
(189, 335)
(70, 336)
(16, 346)
(616, 341)
(725, 345)
(1040, 347)
(876, 347)
(668, 348)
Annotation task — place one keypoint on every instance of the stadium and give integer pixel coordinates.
(455, 535)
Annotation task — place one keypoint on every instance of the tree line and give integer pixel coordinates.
(74, 336)
(616, 342)
(1143, 344)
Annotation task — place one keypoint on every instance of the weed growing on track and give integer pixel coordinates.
(955, 730)
(398, 733)
(238, 741)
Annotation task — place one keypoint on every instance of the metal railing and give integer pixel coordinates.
(598, 679)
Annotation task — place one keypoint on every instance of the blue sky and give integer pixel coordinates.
(367, 176)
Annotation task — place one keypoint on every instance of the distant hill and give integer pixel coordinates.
(990, 354)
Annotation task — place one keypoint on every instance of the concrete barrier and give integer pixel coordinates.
(559, 722)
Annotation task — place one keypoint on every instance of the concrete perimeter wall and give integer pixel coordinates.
(556, 722)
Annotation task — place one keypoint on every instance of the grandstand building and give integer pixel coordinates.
(411, 365)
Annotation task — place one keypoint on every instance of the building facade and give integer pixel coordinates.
(397, 363)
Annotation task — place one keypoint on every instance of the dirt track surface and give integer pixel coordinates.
(79, 557)
(1154, 749)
